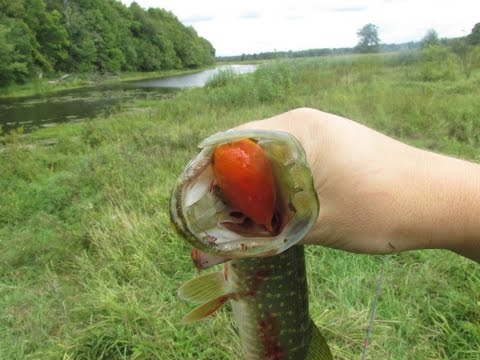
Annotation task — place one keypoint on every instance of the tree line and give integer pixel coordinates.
(42, 37)
(369, 42)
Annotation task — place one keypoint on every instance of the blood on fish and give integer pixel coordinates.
(243, 173)
(225, 271)
(260, 276)
(221, 300)
(269, 338)
(195, 256)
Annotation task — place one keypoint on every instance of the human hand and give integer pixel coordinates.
(377, 195)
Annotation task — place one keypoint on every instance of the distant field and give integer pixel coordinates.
(89, 263)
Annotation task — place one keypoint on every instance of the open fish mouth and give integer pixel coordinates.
(200, 212)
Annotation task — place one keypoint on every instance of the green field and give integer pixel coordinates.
(90, 264)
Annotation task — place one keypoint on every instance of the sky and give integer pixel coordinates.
(253, 26)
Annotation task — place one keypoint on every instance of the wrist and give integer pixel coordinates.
(438, 200)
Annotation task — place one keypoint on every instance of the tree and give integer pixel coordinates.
(368, 40)
(20, 53)
(6, 50)
(11, 8)
(49, 36)
(474, 37)
(468, 55)
(430, 39)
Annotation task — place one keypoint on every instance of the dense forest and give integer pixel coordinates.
(42, 37)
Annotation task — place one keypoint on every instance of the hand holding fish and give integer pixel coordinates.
(252, 196)
(379, 195)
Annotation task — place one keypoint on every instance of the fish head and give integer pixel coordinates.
(210, 222)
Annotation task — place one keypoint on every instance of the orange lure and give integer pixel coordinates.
(245, 177)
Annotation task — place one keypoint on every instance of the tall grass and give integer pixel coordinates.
(89, 263)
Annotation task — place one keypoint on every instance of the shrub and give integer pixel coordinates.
(222, 78)
(437, 64)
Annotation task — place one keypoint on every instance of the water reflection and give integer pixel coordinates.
(193, 80)
(84, 103)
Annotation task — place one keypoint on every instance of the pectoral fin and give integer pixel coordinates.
(204, 310)
(318, 349)
(203, 288)
(210, 289)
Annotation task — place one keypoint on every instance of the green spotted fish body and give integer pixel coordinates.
(269, 297)
(264, 274)
(272, 310)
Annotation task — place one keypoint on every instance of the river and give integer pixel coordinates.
(39, 111)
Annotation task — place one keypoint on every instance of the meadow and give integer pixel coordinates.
(90, 264)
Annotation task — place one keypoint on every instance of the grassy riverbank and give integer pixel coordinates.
(73, 81)
(89, 263)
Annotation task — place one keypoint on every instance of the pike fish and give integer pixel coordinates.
(246, 201)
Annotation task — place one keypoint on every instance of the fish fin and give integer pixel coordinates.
(318, 349)
(203, 288)
(204, 310)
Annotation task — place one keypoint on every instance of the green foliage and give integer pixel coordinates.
(273, 82)
(90, 264)
(437, 64)
(6, 50)
(474, 37)
(368, 40)
(468, 55)
(49, 36)
(430, 39)
(19, 56)
(222, 78)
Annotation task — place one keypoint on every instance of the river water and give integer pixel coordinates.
(85, 103)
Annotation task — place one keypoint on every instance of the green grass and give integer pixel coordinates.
(90, 264)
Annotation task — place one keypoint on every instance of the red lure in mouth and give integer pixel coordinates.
(243, 173)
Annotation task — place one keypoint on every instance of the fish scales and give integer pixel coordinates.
(271, 305)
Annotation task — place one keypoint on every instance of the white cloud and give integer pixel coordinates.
(250, 26)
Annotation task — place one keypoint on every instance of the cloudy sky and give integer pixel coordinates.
(252, 26)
